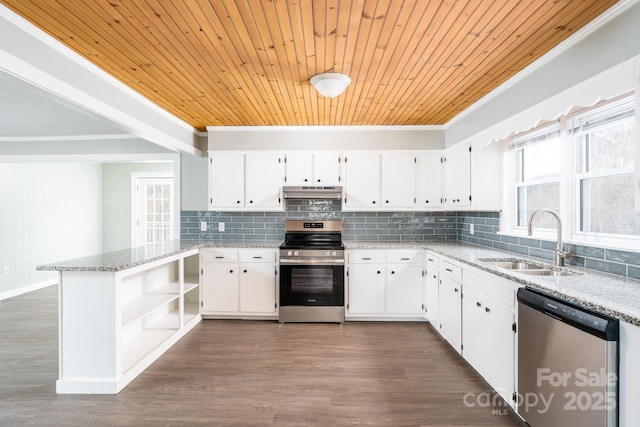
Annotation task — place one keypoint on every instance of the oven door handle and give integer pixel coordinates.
(311, 261)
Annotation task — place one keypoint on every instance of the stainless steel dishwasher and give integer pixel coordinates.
(567, 363)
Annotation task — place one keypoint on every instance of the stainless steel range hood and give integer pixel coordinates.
(312, 192)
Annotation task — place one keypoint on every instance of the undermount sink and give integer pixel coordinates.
(516, 265)
(528, 267)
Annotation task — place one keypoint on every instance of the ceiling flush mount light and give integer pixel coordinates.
(330, 84)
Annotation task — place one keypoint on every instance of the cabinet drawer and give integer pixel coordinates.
(498, 292)
(366, 257)
(218, 255)
(451, 270)
(409, 256)
(431, 260)
(257, 255)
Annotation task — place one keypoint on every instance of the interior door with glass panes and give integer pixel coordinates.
(153, 213)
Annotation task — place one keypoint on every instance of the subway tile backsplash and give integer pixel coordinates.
(358, 226)
(400, 226)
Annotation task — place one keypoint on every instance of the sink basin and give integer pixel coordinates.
(528, 267)
(513, 263)
(516, 265)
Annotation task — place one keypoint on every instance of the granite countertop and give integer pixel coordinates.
(132, 257)
(613, 295)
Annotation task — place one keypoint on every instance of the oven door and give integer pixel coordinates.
(311, 284)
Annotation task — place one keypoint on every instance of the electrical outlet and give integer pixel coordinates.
(221, 226)
(203, 225)
(5, 270)
(471, 229)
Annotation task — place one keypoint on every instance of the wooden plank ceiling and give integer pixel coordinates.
(248, 62)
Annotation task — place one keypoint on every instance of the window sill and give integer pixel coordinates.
(622, 243)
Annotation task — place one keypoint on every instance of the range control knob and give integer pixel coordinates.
(289, 253)
(295, 253)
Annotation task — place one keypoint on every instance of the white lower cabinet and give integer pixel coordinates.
(366, 289)
(450, 311)
(219, 288)
(489, 341)
(404, 289)
(488, 329)
(257, 288)
(431, 284)
(384, 284)
(476, 315)
(238, 282)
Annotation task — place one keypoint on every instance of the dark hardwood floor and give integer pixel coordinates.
(251, 373)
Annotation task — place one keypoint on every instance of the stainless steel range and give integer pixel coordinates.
(312, 272)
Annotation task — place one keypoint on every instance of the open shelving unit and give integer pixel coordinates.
(113, 325)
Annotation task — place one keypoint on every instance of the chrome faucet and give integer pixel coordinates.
(560, 254)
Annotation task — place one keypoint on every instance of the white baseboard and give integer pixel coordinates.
(26, 289)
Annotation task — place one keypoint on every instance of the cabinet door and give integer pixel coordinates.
(362, 181)
(476, 348)
(431, 180)
(219, 288)
(258, 288)
(399, 180)
(431, 296)
(450, 311)
(299, 169)
(366, 289)
(226, 181)
(457, 176)
(404, 289)
(263, 181)
(327, 168)
(501, 341)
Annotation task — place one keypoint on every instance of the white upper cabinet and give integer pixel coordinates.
(263, 181)
(240, 181)
(299, 169)
(399, 177)
(473, 177)
(362, 181)
(457, 176)
(430, 180)
(226, 181)
(327, 168)
(313, 168)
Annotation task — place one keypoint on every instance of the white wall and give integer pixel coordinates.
(326, 138)
(116, 200)
(48, 212)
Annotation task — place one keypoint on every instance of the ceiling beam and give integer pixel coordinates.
(34, 57)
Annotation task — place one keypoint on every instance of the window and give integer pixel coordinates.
(583, 166)
(537, 165)
(605, 141)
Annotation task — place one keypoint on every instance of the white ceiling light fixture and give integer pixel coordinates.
(330, 84)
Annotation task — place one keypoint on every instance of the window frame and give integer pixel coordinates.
(516, 145)
(580, 173)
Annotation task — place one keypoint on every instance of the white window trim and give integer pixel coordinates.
(135, 176)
